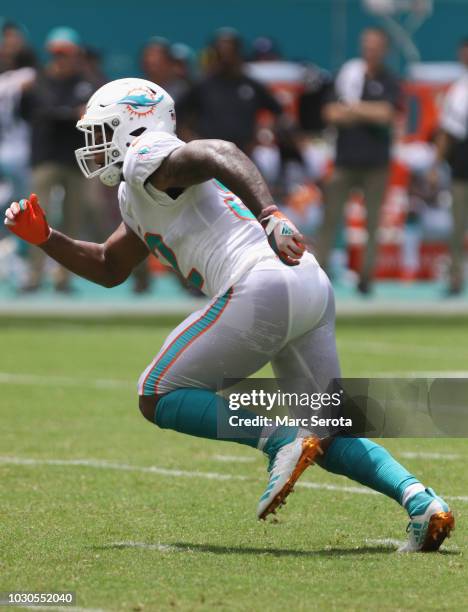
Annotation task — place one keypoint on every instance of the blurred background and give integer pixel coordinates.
(355, 112)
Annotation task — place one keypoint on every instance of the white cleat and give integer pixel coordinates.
(427, 531)
(289, 463)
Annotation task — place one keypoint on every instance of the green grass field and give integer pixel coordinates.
(81, 511)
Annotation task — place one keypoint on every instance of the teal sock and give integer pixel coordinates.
(370, 464)
(281, 436)
(198, 412)
(418, 503)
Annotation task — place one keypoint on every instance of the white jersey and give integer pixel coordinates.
(206, 234)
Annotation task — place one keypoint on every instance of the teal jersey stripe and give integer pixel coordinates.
(183, 340)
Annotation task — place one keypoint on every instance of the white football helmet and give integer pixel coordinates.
(115, 115)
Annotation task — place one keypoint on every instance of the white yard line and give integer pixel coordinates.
(382, 347)
(461, 498)
(422, 374)
(106, 465)
(97, 464)
(392, 543)
(159, 547)
(378, 347)
(423, 455)
(233, 458)
(402, 454)
(12, 378)
(322, 486)
(60, 608)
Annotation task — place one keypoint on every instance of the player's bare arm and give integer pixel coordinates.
(108, 264)
(202, 160)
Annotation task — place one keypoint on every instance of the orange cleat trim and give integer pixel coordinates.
(440, 527)
(310, 450)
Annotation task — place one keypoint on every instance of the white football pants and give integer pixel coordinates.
(278, 313)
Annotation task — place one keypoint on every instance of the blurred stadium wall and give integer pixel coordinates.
(323, 31)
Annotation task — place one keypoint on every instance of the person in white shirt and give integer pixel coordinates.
(452, 145)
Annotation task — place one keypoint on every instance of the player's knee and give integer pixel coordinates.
(147, 405)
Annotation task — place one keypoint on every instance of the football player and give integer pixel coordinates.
(197, 206)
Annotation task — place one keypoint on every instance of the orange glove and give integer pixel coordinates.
(27, 220)
(284, 237)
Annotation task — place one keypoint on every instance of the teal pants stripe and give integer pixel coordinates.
(183, 340)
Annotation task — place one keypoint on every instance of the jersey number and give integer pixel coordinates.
(157, 245)
(234, 203)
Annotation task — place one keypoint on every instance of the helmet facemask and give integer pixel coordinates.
(100, 141)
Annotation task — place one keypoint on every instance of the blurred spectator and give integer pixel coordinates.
(15, 141)
(264, 49)
(463, 53)
(452, 144)
(304, 208)
(225, 103)
(184, 64)
(156, 61)
(100, 218)
(158, 65)
(361, 105)
(312, 100)
(91, 66)
(282, 161)
(427, 218)
(12, 41)
(53, 106)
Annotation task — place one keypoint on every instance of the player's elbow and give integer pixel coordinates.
(113, 271)
(110, 281)
(112, 277)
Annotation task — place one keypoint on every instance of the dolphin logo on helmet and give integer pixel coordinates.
(140, 100)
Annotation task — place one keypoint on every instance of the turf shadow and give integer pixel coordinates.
(249, 550)
(282, 552)
(329, 551)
